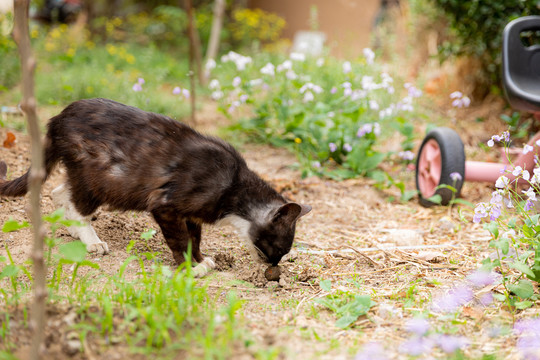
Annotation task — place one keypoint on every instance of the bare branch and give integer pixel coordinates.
(28, 106)
(213, 42)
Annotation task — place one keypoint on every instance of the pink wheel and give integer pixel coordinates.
(440, 167)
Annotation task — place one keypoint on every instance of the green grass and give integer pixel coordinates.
(155, 310)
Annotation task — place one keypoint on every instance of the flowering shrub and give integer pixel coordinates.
(331, 113)
(515, 227)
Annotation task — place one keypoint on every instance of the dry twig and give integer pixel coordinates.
(37, 173)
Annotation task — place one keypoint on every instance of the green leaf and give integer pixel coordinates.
(493, 228)
(524, 268)
(521, 305)
(55, 216)
(436, 199)
(524, 289)
(346, 321)
(147, 235)
(9, 271)
(326, 285)
(14, 225)
(74, 251)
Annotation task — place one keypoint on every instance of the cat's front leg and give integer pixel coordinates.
(62, 198)
(179, 233)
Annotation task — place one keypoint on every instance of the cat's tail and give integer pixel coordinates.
(19, 186)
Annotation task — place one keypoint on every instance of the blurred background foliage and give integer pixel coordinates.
(475, 30)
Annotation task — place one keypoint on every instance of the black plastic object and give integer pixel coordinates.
(452, 156)
(521, 65)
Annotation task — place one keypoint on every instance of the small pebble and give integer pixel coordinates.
(272, 273)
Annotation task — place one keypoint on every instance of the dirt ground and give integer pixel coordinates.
(338, 241)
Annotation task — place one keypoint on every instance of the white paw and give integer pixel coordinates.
(204, 267)
(100, 248)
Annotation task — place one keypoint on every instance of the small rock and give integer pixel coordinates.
(406, 237)
(446, 224)
(272, 273)
(72, 347)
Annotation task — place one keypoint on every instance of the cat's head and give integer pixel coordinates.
(273, 237)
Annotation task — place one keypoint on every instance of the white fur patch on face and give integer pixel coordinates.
(241, 226)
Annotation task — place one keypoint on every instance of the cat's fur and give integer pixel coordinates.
(130, 159)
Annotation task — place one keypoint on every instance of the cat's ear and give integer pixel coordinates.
(290, 212)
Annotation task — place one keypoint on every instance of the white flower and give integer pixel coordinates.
(308, 96)
(210, 64)
(216, 95)
(320, 62)
(291, 75)
(214, 84)
(243, 98)
(287, 65)
(517, 171)
(268, 69)
(369, 55)
(373, 105)
(531, 194)
(527, 149)
(456, 95)
(347, 68)
(255, 82)
(368, 83)
(526, 175)
(297, 56)
(502, 182)
(490, 143)
(236, 81)
(537, 142)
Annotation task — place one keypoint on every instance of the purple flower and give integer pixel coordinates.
(495, 212)
(418, 326)
(528, 205)
(333, 90)
(455, 298)
(347, 147)
(481, 278)
(416, 346)
(371, 351)
(486, 299)
(480, 211)
(137, 87)
(176, 90)
(450, 344)
(528, 342)
(406, 155)
(316, 164)
(455, 176)
(333, 147)
(365, 129)
(140, 81)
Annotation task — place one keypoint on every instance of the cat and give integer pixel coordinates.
(130, 159)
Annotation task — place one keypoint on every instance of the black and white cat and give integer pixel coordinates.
(130, 159)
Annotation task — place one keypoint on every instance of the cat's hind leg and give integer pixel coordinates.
(62, 197)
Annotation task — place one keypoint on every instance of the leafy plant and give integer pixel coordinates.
(333, 114)
(515, 229)
(347, 306)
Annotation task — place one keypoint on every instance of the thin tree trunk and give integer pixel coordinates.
(191, 35)
(28, 105)
(213, 42)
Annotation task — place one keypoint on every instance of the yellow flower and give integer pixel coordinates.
(111, 49)
(70, 52)
(34, 34)
(50, 46)
(130, 59)
(298, 140)
(90, 89)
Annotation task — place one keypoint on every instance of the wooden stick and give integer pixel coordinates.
(380, 248)
(37, 173)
